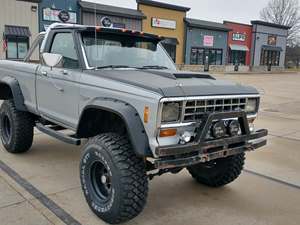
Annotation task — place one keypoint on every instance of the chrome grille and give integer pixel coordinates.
(194, 109)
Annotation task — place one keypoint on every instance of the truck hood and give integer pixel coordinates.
(175, 84)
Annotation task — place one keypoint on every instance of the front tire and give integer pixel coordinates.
(220, 172)
(16, 128)
(113, 178)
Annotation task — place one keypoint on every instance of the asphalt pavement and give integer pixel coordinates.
(43, 187)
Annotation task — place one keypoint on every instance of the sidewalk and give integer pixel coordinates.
(16, 209)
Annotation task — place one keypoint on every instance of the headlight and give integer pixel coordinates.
(171, 112)
(251, 106)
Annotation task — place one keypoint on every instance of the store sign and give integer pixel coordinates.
(64, 16)
(106, 22)
(162, 23)
(238, 37)
(119, 25)
(272, 40)
(55, 15)
(208, 41)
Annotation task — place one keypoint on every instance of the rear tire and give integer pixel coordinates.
(16, 128)
(219, 172)
(113, 178)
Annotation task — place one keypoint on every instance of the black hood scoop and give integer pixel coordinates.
(179, 75)
(193, 75)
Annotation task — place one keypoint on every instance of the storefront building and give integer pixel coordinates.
(168, 21)
(18, 26)
(239, 43)
(120, 17)
(50, 11)
(268, 44)
(206, 43)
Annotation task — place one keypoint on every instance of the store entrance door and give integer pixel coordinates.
(238, 57)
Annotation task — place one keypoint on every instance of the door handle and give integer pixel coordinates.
(44, 73)
(65, 72)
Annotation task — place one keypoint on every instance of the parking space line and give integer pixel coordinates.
(48, 203)
(273, 179)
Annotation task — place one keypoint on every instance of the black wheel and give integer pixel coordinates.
(16, 128)
(113, 178)
(219, 172)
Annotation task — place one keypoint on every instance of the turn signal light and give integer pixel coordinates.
(251, 120)
(146, 114)
(168, 133)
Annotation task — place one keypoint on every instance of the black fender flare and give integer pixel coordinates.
(135, 128)
(15, 90)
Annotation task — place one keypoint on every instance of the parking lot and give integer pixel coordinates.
(42, 187)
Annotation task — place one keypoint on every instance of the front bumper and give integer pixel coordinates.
(201, 150)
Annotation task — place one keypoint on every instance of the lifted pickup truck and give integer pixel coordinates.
(120, 90)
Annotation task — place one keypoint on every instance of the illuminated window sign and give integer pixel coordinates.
(238, 37)
(53, 15)
(162, 23)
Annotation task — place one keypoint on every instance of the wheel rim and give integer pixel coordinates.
(6, 128)
(101, 181)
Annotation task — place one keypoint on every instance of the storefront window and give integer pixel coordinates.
(198, 55)
(17, 47)
(270, 57)
(12, 50)
(219, 57)
(171, 49)
(194, 57)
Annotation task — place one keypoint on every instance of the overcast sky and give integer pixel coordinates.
(213, 10)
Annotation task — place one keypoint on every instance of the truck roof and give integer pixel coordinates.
(136, 33)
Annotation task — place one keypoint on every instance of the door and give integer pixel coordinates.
(56, 88)
(171, 50)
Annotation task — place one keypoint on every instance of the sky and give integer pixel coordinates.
(213, 10)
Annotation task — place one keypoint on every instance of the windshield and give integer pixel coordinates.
(118, 51)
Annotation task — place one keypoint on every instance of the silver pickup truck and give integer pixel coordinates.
(142, 118)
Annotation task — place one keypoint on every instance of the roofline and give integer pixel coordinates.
(264, 23)
(238, 23)
(126, 15)
(163, 5)
(32, 1)
(225, 29)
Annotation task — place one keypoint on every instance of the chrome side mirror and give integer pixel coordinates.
(52, 60)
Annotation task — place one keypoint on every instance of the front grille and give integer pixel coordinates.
(193, 110)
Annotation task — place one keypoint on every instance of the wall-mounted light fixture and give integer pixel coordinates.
(33, 8)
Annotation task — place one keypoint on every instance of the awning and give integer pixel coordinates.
(272, 48)
(239, 48)
(17, 31)
(170, 41)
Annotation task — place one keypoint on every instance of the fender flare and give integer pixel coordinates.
(16, 92)
(135, 128)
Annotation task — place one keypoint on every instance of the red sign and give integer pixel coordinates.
(208, 41)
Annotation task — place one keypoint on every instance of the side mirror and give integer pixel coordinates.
(52, 60)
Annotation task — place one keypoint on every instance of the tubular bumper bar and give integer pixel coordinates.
(204, 151)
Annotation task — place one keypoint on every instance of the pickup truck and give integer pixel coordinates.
(120, 91)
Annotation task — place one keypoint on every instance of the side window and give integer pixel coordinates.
(64, 45)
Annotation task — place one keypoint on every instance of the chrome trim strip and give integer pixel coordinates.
(172, 99)
(176, 125)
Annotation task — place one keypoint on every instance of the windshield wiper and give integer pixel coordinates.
(153, 67)
(113, 66)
